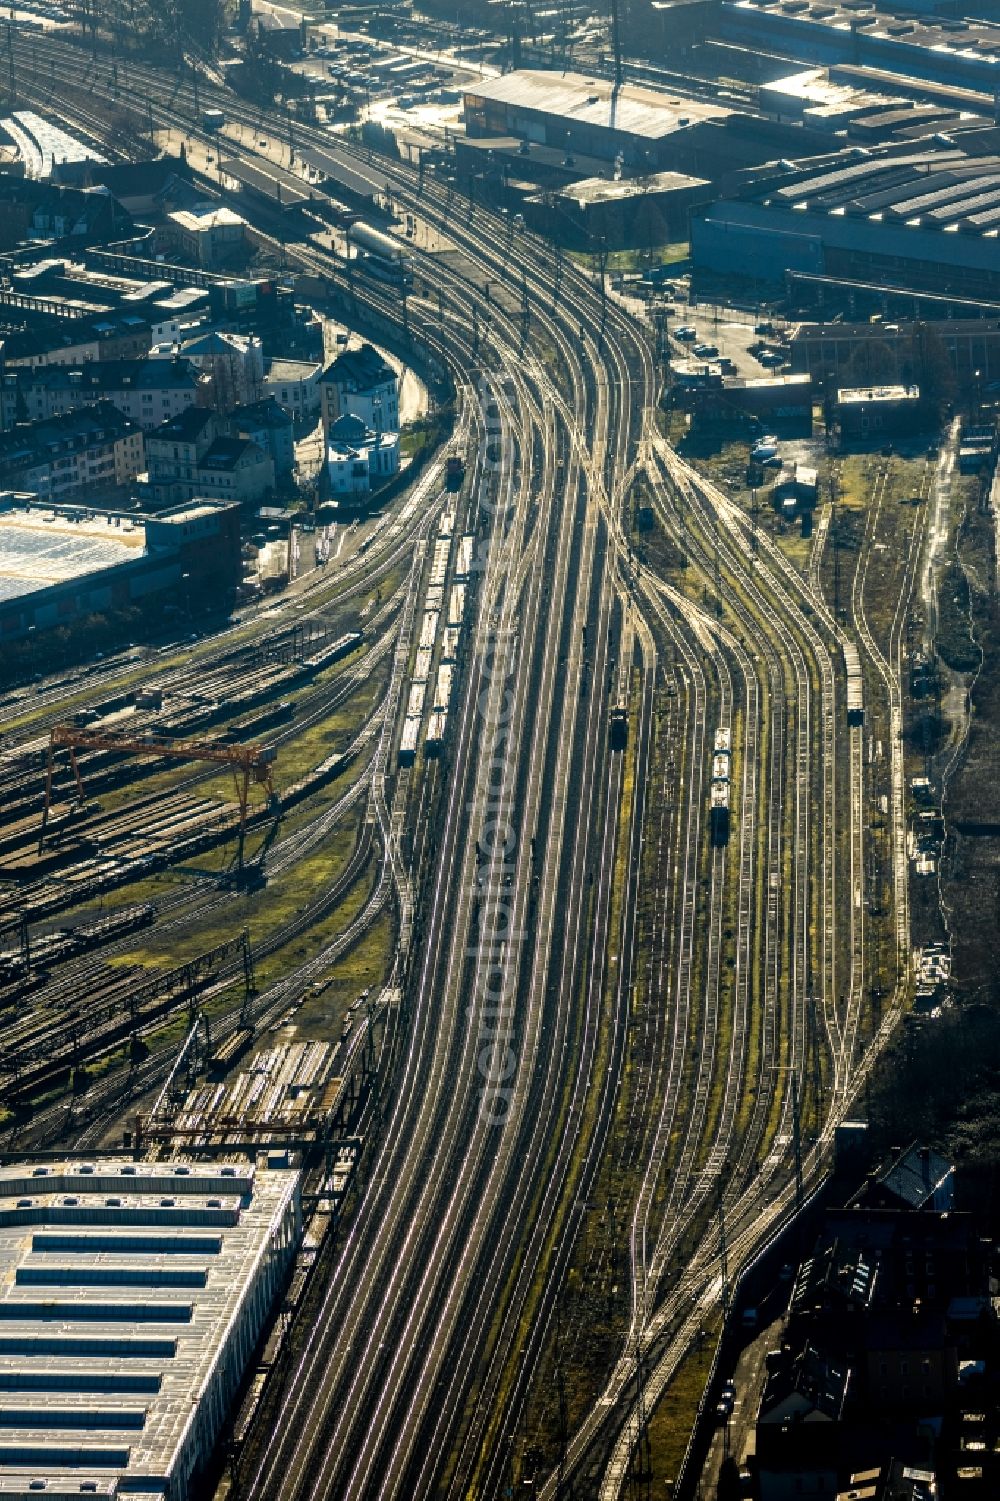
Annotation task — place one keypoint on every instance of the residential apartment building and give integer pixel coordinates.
(361, 383)
(147, 392)
(95, 447)
(234, 363)
(78, 341)
(209, 235)
(294, 384)
(192, 456)
(269, 426)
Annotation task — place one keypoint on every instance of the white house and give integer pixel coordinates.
(358, 459)
(207, 234)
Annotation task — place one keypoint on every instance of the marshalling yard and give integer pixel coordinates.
(511, 908)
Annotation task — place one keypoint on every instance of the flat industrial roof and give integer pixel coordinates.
(927, 188)
(852, 395)
(41, 547)
(629, 110)
(120, 1284)
(950, 35)
(604, 190)
(196, 511)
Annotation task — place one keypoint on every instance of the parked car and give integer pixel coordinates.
(685, 332)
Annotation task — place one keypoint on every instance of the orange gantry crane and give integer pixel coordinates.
(252, 765)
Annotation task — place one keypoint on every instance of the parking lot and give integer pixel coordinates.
(727, 331)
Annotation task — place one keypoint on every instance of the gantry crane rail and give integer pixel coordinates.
(252, 765)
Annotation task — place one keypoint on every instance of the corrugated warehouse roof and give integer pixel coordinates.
(594, 101)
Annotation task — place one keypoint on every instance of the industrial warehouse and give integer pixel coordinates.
(57, 563)
(925, 218)
(134, 1296)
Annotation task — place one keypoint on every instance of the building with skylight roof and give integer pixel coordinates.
(133, 1296)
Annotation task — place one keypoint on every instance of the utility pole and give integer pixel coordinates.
(25, 939)
(716, 567)
(11, 75)
(563, 1412)
(640, 1466)
(249, 986)
(602, 262)
(616, 41)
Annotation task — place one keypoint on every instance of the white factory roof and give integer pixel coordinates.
(43, 145)
(39, 547)
(205, 217)
(855, 394)
(593, 101)
(119, 1282)
(605, 190)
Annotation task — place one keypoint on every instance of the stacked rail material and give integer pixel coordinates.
(215, 694)
(439, 564)
(329, 768)
(65, 1030)
(149, 843)
(428, 630)
(285, 1092)
(335, 652)
(443, 686)
(456, 605)
(49, 949)
(463, 563)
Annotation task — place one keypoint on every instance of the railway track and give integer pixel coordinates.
(414, 1373)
